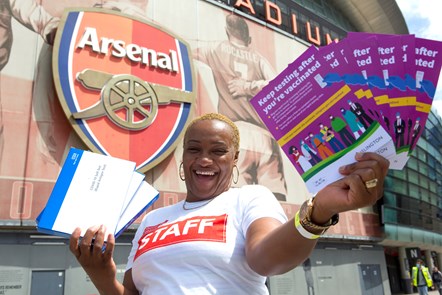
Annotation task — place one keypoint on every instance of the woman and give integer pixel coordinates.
(221, 239)
(300, 159)
(437, 279)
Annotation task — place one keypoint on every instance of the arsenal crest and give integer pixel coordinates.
(126, 86)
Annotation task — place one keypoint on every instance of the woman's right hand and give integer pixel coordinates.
(95, 259)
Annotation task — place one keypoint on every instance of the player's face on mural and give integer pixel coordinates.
(208, 159)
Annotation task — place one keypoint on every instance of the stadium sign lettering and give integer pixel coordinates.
(272, 13)
(133, 52)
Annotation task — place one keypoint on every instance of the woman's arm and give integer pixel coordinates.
(274, 248)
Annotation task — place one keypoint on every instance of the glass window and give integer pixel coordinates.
(414, 191)
(412, 163)
(431, 160)
(433, 187)
(413, 176)
(390, 215)
(399, 173)
(432, 151)
(425, 195)
(423, 169)
(438, 169)
(423, 181)
(400, 187)
(421, 154)
(433, 198)
(429, 124)
(390, 199)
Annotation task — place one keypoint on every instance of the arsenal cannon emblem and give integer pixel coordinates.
(126, 86)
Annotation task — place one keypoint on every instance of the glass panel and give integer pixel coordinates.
(399, 187)
(433, 187)
(433, 199)
(414, 191)
(390, 215)
(390, 199)
(413, 177)
(424, 181)
(423, 169)
(412, 163)
(399, 174)
(421, 154)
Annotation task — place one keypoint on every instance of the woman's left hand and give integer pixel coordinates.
(361, 186)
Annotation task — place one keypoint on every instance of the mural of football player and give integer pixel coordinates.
(34, 17)
(240, 72)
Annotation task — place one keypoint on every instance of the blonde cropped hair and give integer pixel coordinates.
(222, 118)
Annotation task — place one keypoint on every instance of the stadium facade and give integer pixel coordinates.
(371, 249)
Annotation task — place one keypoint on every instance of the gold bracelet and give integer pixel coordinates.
(302, 230)
(305, 213)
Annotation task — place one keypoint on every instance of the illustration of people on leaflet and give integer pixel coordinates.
(240, 72)
(310, 153)
(358, 110)
(300, 159)
(340, 126)
(386, 120)
(319, 143)
(353, 122)
(329, 137)
(415, 130)
(399, 130)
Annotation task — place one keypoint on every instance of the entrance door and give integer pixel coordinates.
(47, 282)
(371, 280)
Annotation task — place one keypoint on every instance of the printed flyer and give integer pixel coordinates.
(408, 100)
(365, 93)
(384, 73)
(313, 123)
(428, 59)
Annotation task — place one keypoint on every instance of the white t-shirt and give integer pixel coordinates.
(201, 251)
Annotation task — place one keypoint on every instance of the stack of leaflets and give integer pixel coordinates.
(94, 189)
(365, 93)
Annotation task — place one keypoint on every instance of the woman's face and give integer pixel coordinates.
(208, 159)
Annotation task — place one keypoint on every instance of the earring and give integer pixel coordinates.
(235, 181)
(181, 172)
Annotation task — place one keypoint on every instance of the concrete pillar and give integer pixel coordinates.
(429, 260)
(405, 271)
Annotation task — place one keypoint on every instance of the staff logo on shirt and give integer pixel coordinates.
(198, 228)
(126, 86)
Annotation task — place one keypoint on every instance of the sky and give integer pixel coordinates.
(424, 20)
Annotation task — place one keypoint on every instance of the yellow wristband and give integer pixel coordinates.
(302, 230)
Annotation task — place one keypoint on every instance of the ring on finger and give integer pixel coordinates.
(371, 183)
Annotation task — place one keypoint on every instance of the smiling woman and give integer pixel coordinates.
(211, 149)
(221, 239)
